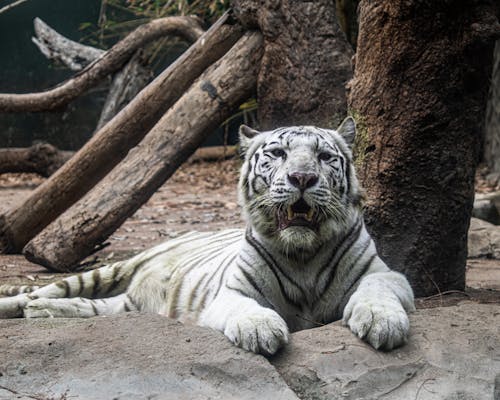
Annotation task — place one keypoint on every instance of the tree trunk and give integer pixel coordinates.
(110, 62)
(419, 96)
(492, 139)
(108, 146)
(208, 102)
(43, 159)
(306, 62)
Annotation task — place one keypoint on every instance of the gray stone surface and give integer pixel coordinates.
(483, 239)
(129, 357)
(453, 354)
(487, 207)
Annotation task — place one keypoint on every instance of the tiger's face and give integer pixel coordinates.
(297, 186)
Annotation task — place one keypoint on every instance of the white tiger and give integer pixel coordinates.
(304, 259)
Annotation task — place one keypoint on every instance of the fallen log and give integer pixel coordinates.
(111, 61)
(111, 143)
(209, 101)
(43, 159)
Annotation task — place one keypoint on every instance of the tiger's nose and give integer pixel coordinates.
(302, 180)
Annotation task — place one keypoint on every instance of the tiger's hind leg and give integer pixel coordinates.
(78, 307)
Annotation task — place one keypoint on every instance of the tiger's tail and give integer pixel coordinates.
(13, 290)
(107, 281)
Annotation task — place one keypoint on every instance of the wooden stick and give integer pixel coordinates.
(209, 101)
(108, 146)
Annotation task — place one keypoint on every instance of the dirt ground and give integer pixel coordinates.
(200, 196)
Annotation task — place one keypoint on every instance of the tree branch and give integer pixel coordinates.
(111, 61)
(55, 46)
(11, 5)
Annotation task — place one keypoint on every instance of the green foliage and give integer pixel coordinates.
(119, 17)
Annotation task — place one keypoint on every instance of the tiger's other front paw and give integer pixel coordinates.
(381, 322)
(263, 331)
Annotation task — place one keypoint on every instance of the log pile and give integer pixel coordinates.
(133, 153)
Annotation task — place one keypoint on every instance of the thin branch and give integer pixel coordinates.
(55, 46)
(11, 5)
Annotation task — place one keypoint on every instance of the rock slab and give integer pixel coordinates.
(131, 356)
(453, 354)
(483, 239)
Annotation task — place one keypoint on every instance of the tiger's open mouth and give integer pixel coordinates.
(297, 214)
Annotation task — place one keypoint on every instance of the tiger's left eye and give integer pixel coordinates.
(278, 153)
(324, 156)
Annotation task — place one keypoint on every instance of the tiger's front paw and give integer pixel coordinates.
(263, 331)
(382, 322)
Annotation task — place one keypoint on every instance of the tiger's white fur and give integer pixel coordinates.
(304, 259)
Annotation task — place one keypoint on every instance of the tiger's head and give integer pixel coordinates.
(297, 185)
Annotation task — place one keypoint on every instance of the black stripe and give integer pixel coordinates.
(362, 271)
(96, 277)
(126, 306)
(352, 233)
(64, 285)
(194, 292)
(250, 279)
(351, 239)
(94, 308)
(274, 267)
(114, 281)
(331, 276)
(81, 284)
(222, 277)
(223, 265)
(263, 301)
(137, 267)
(348, 177)
(237, 290)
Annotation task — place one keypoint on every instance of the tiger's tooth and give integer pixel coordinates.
(310, 214)
(290, 213)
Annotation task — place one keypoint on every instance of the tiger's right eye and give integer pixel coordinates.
(278, 153)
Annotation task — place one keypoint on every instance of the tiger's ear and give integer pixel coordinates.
(246, 135)
(347, 130)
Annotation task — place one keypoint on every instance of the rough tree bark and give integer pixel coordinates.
(209, 101)
(108, 146)
(419, 96)
(111, 61)
(306, 62)
(43, 159)
(492, 124)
